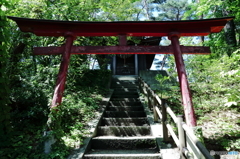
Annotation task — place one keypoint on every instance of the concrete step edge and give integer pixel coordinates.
(122, 114)
(126, 89)
(125, 95)
(119, 127)
(125, 103)
(123, 155)
(126, 92)
(124, 138)
(126, 99)
(125, 108)
(124, 131)
(132, 118)
(107, 111)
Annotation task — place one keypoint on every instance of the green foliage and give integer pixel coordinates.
(214, 84)
(218, 75)
(228, 40)
(172, 10)
(163, 81)
(216, 98)
(124, 10)
(169, 90)
(68, 122)
(5, 126)
(27, 82)
(81, 10)
(214, 79)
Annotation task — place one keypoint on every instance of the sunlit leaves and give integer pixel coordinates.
(116, 10)
(172, 10)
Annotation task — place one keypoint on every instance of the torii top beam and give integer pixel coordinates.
(130, 28)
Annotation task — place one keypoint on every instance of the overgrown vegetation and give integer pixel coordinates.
(79, 107)
(214, 85)
(214, 78)
(27, 84)
(5, 125)
(217, 99)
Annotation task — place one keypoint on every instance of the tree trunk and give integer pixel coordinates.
(102, 61)
(229, 30)
(201, 17)
(230, 33)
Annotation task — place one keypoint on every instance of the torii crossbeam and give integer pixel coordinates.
(173, 29)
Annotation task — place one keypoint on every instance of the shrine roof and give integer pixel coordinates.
(42, 27)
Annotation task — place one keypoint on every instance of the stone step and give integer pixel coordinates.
(124, 103)
(124, 114)
(124, 87)
(125, 81)
(125, 108)
(126, 95)
(122, 91)
(125, 90)
(124, 155)
(124, 121)
(124, 84)
(122, 151)
(123, 130)
(126, 143)
(125, 77)
(126, 99)
(170, 153)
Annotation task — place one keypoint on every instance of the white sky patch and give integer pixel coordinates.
(3, 8)
(157, 58)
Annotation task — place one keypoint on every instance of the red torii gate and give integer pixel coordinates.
(173, 29)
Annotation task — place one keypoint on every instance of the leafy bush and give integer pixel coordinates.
(214, 84)
(79, 106)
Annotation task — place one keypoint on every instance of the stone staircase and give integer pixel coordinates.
(124, 130)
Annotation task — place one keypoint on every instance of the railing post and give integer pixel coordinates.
(181, 134)
(154, 104)
(149, 98)
(140, 84)
(164, 119)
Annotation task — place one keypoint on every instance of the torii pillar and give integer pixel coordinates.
(62, 75)
(183, 81)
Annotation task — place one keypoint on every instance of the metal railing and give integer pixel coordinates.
(185, 139)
